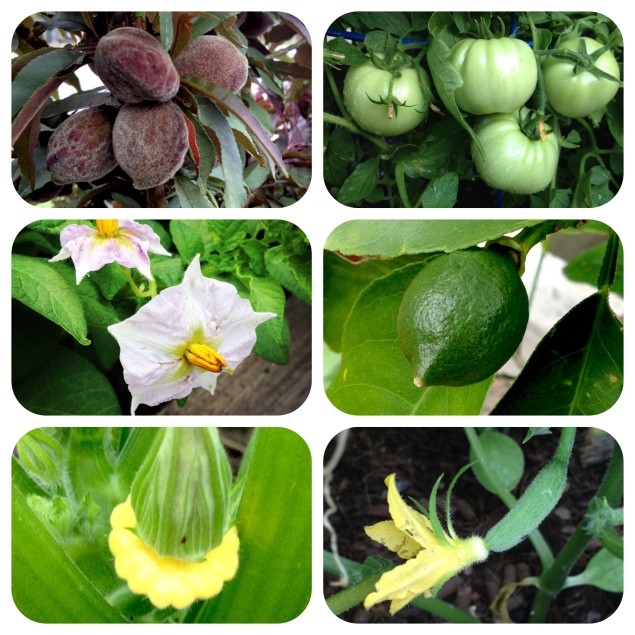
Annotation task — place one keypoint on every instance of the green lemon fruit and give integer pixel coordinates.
(462, 317)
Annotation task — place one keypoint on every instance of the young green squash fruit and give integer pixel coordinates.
(462, 317)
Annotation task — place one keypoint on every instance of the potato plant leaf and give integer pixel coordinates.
(38, 285)
(577, 368)
(67, 384)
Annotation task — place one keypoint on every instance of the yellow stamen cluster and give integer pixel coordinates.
(107, 228)
(168, 581)
(431, 559)
(207, 358)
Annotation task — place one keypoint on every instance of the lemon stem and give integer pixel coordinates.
(609, 264)
(532, 236)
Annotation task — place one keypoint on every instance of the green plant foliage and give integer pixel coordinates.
(583, 356)
(502, 459)
(229, 133)
(431, 164)
(64, 358)
(68, 576)
(604, 571)
(374, 376)
(368, 265)
(274, 518)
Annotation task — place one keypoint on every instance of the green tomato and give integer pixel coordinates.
(366, 84)
(575, 92)
(511, 161)
(498, 75)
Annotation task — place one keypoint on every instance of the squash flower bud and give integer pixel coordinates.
(173, 539)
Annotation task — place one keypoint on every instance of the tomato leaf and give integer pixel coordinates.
(441, 191)
(342, 52)
(577, 368)
(446, 80)
(360, 183)
(592, 190)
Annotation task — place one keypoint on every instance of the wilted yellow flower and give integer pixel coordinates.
(168, 581)
(432, 559)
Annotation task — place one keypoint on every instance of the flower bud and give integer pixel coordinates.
(181, 493)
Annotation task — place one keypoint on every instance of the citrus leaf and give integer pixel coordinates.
(585, 267)
(389, 239)
(374, 376)
(577, 368)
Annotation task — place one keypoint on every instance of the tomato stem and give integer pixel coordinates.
(401, 184)
(349, 125)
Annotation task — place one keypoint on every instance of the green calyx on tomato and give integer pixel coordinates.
(462, 317)
(499, 75)
(582, 79)
(387, 102)
(510, 160)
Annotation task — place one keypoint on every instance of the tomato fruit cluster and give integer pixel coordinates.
(452, 109)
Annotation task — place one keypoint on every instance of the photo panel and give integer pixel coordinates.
(470, 525)
(469, 317)
(161, 525)
(473, 109)
(157, 317)
(161, 109)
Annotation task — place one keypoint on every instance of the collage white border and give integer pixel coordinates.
(317, 214)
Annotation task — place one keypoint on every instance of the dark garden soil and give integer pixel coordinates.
(419, 456)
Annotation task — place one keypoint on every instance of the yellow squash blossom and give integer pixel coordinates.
(431, 558)
(168, 581)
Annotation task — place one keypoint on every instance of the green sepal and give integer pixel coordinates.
(181, 493)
